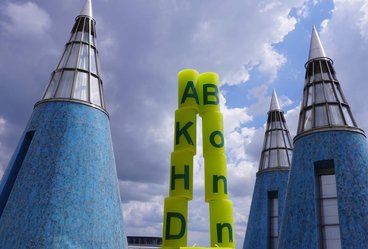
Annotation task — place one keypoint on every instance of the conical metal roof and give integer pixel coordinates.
(77, 75)
(87, 9)
(277, 146)
(316, 49)
(324, 105)
(274, 106)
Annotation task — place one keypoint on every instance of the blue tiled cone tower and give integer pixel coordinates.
(327, 195)
(271, 182)
(60, 189)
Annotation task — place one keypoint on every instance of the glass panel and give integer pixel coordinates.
(273, 158)
(330, 96)
(273, 226)
(93, 61)
(325, 74)
(274, 207)
(265, 160)
(338, 93)
(284, 162)
(72, 62)
(332, 244)
(65, 85)
(328, 186)
(317, 71)
(331, 232)
(273, 221)
(321, 116)
(65, 56)
(78, 36)
(81, 86)
(280, 139)
(335, 115)
(310, 96)
(319, 93)
(273, 139)
(98, 63)
(91, 39)
(52, 86)
(85, 37)
(287, 141)
(347, 116)
(268, 141)
(308, 120)
(83, 59)
(95, 91)
(329, 211)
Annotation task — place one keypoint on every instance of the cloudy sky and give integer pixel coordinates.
(255, 46)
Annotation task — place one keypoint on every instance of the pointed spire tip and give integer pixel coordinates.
(87, 9)
(316, 49)
(274, 105)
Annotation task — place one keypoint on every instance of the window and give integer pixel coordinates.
(328, 206)
(273, 219)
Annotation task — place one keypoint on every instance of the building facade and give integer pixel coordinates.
(60, 189)
(270, 188)
(327, 195)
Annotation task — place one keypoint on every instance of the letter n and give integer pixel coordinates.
(216, 179)
(220, 227)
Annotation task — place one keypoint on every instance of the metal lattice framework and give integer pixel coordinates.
(277, 146)
(324, 105)
(77, 76)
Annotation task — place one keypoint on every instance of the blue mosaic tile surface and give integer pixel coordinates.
(66, 193)
(349, 151)
(258, 227)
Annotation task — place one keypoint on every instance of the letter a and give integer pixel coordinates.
(190, 87)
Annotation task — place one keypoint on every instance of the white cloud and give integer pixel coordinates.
(363, 22)
(345, 40)
(25, 19)
(292, 119)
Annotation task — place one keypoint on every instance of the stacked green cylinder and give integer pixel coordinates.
(215, 172)
(198, 94)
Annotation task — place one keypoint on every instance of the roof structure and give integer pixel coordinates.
(316, 49)
(87, 9)
(274, 106)
(324, 105)
(277, 147)
(77, 75)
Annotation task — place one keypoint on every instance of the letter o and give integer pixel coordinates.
(213, 141)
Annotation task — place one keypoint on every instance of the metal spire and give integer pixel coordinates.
(77, 76)
(324, 105)
(316, 49)
(87, 9)
(277, 147)
(274, 106)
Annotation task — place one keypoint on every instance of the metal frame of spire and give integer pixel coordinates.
(274, 106)
(87, 9)
(77, 75)
(316, 49)
(277, 146)
(324, 106)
